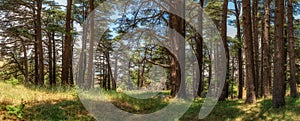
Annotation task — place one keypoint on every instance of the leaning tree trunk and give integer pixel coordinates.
(25, 62)
(199, 49)
(250, 97)
(279, 77)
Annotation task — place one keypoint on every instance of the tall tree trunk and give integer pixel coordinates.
(279, 77)
(240, 56)
(293, 84)
(255, 45)
(285, 58)
(199, 49)
(110, 74)
(91, 45)
(266, 51)
(40, 43)
(54, 59)
(250, 97)
(50, 39)
(178, 46)
(224, 93)
(25, 63)
(36, 56)
(232, 77)
(261, 69)
(66, 59)
(209, 69)
(115, 76)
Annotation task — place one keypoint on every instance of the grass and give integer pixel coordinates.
(22, 103)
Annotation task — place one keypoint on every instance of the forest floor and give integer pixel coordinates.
(22, 103)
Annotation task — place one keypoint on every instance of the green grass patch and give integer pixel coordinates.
(53, 104)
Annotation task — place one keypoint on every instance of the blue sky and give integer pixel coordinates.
(62, 2)
(231, 31)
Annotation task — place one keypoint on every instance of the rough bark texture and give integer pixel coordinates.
(293, 84)
(240, 56)
(54, 59)
(250, 97)
(90, 77)
(50, 58)
(224, 93)
(67, 48)
(177, 74)
(255, 45)
(279, 77)
(199, 49)
(266, 51)
(40, 43)
(25, 63)
(36, 56)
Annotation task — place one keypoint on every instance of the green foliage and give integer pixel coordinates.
(13, 81)
(16, 110)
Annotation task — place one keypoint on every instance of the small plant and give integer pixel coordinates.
(12, 81)
(16, 110)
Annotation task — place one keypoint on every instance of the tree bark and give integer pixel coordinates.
(50, 39)
(36, 57)
(232, 77)
(293, 84)
(25, 63)
(279, 77)
(240, 56)
(40, 43)
(266, 77)
(66, 59)
(91, 45)
(250, 97)
(199, 49)
(54, 59)
(255, 45)
(224, 93)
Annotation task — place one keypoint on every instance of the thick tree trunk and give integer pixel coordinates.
(250, 97)
(36, 57)
(224, 93)
(255, 45)
(261, 69)
(266, 77)
(178, 45)
(40, 43)
(91, 45)
(66, 58)
(293, 84)
(279, 77)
